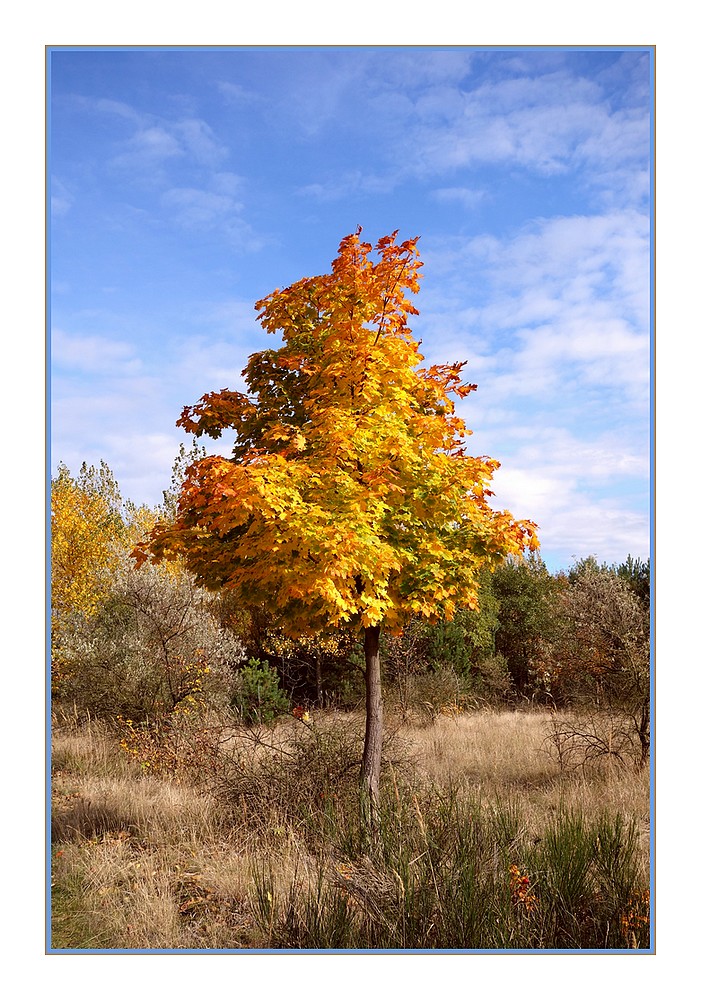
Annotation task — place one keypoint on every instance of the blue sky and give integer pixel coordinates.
(186, 184)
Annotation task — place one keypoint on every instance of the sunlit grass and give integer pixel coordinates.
(147, 861)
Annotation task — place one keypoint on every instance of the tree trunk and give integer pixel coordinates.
(317, 680)
(372, 752)
(644, 733)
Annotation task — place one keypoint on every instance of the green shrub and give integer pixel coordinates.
(258, 697)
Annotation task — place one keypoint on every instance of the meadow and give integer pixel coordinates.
(214, 835)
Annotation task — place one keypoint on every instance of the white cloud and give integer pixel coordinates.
(199, 140)
(467, 197)
(549, 123)
(216, 209)
(571, 522)
(238, 95)
(228, 183)
(346, 185)
(148, 149)
(143, 461)
(557, 339)
(197, 209)
(106, 106)
(93, 354)
(122, 405)
(205, 364)
(567, 295)
(155, 141)
(421, 68)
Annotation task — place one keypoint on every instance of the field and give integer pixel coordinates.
(207, 837)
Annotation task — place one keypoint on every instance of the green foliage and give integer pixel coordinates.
(593, 892)
(453, 873)
(493, 679)
(258, 697)
(525, 592)
(636, 574)
(468, 638)
(447, 663)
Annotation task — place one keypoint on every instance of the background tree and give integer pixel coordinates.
(136, 643)
(181, 463)
(602, 652)
(87, 531)
(526, 617)
(635, 572)
(349, 497)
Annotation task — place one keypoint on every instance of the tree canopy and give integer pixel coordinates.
(348, 496)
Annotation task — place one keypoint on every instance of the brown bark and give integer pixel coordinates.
(644, 733)
(317, 680)
(372, 752)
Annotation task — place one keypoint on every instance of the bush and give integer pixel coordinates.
(422, 697)
(602, 652)
(154, 645)
(493, 679)
(257, 697)
(591, 739)
(306, 778)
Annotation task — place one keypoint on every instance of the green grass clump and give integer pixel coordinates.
(451, 874)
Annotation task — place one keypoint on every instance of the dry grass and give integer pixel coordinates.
(142, 862)
(504, 754)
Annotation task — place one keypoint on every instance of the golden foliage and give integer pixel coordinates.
(84, 546)
(349, 497)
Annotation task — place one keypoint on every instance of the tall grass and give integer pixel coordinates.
(483, 843)
(460, 874)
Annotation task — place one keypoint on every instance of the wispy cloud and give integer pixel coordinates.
(199, 140)
(147, 150)
(574, 270)
(121, 404)
(181, 157)
(93, 355)
(61, 198)
(346, 185)
(238, 95)
(550, 124)
(468, 198)
(557, 339)
(197, 209)
(571, 523)
(444, 114)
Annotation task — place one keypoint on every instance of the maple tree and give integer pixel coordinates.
(349, 496)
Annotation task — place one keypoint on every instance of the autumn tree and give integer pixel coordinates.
(126, 641)
(349, 496)
(87, 528)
